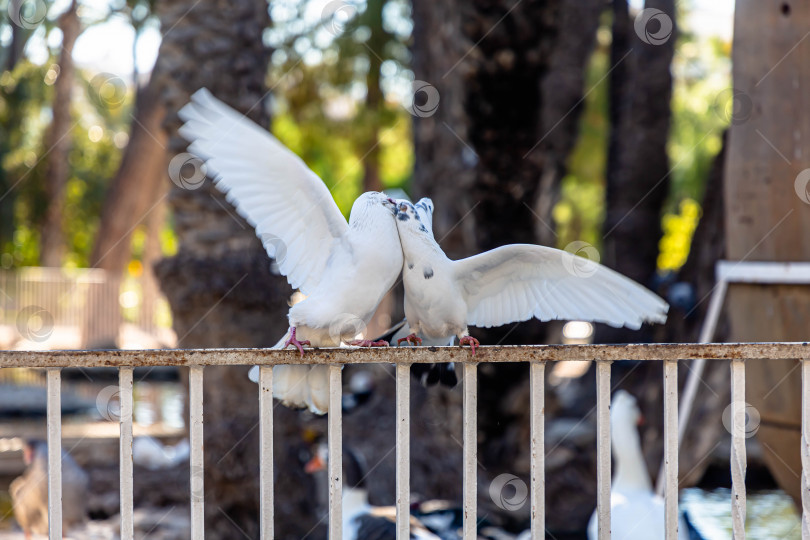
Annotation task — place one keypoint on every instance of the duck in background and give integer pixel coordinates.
(29, 492)
(637, 513)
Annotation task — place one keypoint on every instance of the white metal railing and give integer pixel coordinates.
(537, 356)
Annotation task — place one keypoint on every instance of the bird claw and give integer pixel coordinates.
(368, 343)
(297, 344)
(411, 339)
(471, 341)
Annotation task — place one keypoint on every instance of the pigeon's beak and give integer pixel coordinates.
(391, 204)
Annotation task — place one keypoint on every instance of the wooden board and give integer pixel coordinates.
(766, 220)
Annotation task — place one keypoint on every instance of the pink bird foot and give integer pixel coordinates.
(294, 341)
(471, 341)
(368, 343)
(411, 339)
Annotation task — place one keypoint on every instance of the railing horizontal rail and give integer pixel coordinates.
(408, 355)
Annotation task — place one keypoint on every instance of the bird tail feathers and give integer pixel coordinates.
(298, 386)
(253, 374)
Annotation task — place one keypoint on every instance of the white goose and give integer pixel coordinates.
(637, 513)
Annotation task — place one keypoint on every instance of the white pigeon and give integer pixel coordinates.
(636, 512)
(509, 284)
(343, 269)
(427, 374)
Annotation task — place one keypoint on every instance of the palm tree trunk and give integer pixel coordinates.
(52, 243)
(219, 284)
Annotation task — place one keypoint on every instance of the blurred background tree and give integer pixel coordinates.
(319, 72)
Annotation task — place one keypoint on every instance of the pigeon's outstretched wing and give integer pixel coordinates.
(518, 282)
(291, 209)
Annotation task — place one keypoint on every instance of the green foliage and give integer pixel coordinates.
(700, 104)
(326, 70)
(96, 138)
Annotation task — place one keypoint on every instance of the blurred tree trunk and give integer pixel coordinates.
(155, 222)
(137, 186)
(219, 284)
(13, 52)
(374, 95)
(638, 166)
(52, 242)
(767, 206)
(134, 195)
(509, 81)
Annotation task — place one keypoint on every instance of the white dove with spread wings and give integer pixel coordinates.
(343, 269)
(509, 284)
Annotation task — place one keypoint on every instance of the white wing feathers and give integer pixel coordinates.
(518, 282)
(289, 206)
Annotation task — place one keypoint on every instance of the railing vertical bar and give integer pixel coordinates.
(403, 451)
(538, 450)
(195, 398)
(266, 451)
(470, 453)
(603, 449)
(54, 454)
(806, 449)
(738, 456)
(671, 448)
(335, 453)
(125, 386)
